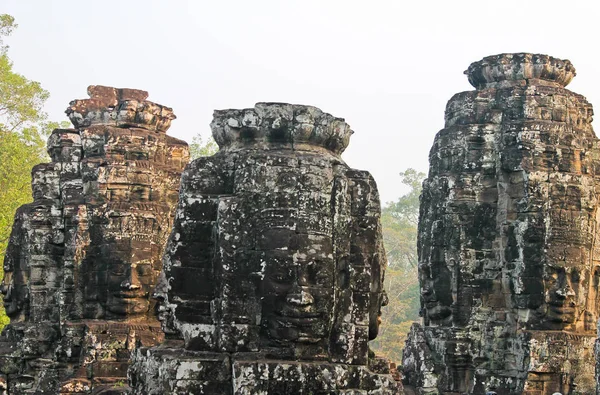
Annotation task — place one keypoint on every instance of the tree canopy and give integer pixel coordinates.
(202, 147)
(399, 220)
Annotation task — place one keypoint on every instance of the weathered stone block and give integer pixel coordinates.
(90, 246)
(505, 249)
(284, 246)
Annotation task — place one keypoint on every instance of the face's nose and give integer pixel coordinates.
(5, 291)
(131, 281)
(6, 286)
(564, 291)
(385, 300)
(300, 297)
(302, 276)
(426, 290)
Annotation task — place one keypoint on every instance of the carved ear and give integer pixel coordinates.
(162, 287)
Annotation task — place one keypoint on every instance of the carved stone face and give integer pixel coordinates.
(121, 282)
(129, 287)
(378, 300)
(378, 297)
(591, 314)
(15, 293)
(298, 300)
(564, 294)
(14, 283)
(10, 297)
(436, 292)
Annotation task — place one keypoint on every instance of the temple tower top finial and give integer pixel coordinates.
(504, 68)
(280, 123)
(121, 108)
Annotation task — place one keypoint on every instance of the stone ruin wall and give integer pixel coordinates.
(84, 256)
(508, 237)
(273, 271)
(273, 274)
(275, 262)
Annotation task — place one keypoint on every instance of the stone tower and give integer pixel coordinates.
(84, 257)
(508, 252)
(273, 275)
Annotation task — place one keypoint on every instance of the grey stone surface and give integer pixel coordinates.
(508, 260)
(84, 257)
(273, 276)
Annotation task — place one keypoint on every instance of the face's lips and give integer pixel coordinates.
(308, 339)
(306, 330)
(297, 311)
(563, 309)
(436, 311)
(299, 319)
(293, 313)
(130, 295)
(7, 297)
(562, 305)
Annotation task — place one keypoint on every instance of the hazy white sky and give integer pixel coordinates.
(388, 67)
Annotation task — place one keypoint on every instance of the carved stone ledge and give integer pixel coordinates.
(519, 66)
(121, 108)
(280, 123)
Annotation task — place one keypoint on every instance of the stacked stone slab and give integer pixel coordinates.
(272, 279)
(508, 237)
(84, 257)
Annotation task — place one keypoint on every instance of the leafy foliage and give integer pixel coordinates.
(201, 147)
(7, 25)
(399, 220)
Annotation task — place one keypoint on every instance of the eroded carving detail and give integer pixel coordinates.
(275, 265)
(508, 237)
(85, 255)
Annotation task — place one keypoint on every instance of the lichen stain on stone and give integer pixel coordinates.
(508, 235)
(284, 241)
(84, 257)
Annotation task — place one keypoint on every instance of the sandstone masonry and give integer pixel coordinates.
(273, 276)
(509, 264)
(84, 257)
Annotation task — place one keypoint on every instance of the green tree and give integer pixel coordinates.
(23, 131)
(21, 100)
(202, 147)
(399, 220)
(7, 25)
